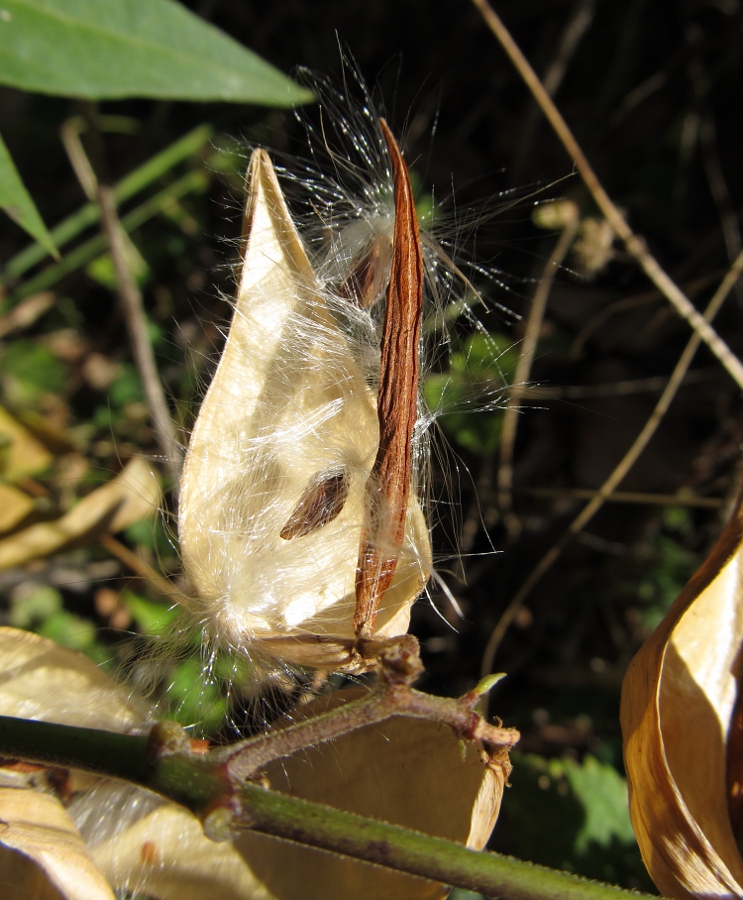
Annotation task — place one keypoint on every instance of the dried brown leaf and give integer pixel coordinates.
(35, 824)
(149, 847)
(678, 699)
(15, 505)
(21, 454)
(130, 497)
(41, 680)
(138, 841)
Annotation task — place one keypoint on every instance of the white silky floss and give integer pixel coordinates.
(273, 490)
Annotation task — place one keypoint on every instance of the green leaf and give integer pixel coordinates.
(570, 815)
(107, 49)
(603, 794)
(151, 617)
(16, 201)
(29, 370)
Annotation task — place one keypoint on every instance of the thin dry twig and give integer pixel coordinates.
(163, 585)
(629, 459)
(578, 23)
(134, 314)
(635, 244)
(523, 370)
(692, 289)
(707, 134)
(621, 388)
(683, 498)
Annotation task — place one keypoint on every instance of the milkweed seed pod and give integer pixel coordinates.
(299, 521)
(681, 717)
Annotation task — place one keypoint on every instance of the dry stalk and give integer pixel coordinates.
(635, 244)
(398, 667)
(523, 370)
(132, 306)
(613, 481)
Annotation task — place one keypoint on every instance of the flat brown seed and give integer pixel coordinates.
(363, 285)
(388, 486)
(322, 500)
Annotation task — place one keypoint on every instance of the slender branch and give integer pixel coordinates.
(247, 758)
(578, 23)
(195, 180)
(634, 243)
(136, 323)
(399, 666)
(523, 370)
(163, 585)
(680, 499)
(613, 481)
(166, 764)
(707, 135)
(87, 215)
(134, 314)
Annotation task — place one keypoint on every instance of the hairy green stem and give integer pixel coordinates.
(245, 759)
(415, 853)
(201, 783)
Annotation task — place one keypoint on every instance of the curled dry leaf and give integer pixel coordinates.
(57, 862)
(41, 680)
(21, 454)
(15, 505)
(130, 838)
(130, 497)
(678, 699)
(410, 772)
(289, 413)
(151, 848)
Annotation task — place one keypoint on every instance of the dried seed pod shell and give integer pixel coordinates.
(678, 699)
(411, 772)
(289, 412)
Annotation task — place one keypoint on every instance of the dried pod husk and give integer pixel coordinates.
(149, 847)
(407, 771)
(273, 493)
(41, 680)
(99, 834)
(133, 495)
(42, 854)
(678, 699)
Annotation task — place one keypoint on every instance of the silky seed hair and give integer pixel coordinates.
(341, 199)
(341, 191)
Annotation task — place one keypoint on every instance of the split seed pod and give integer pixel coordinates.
(294, 501)
(410, 772)
(680, 749)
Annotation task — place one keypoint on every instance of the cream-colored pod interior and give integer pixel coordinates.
(411, 772)
(289, 407)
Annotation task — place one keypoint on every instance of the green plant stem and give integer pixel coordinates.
(200, 783)
(104, 752)
(91, 249)
(415, 853)
(128, 187)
